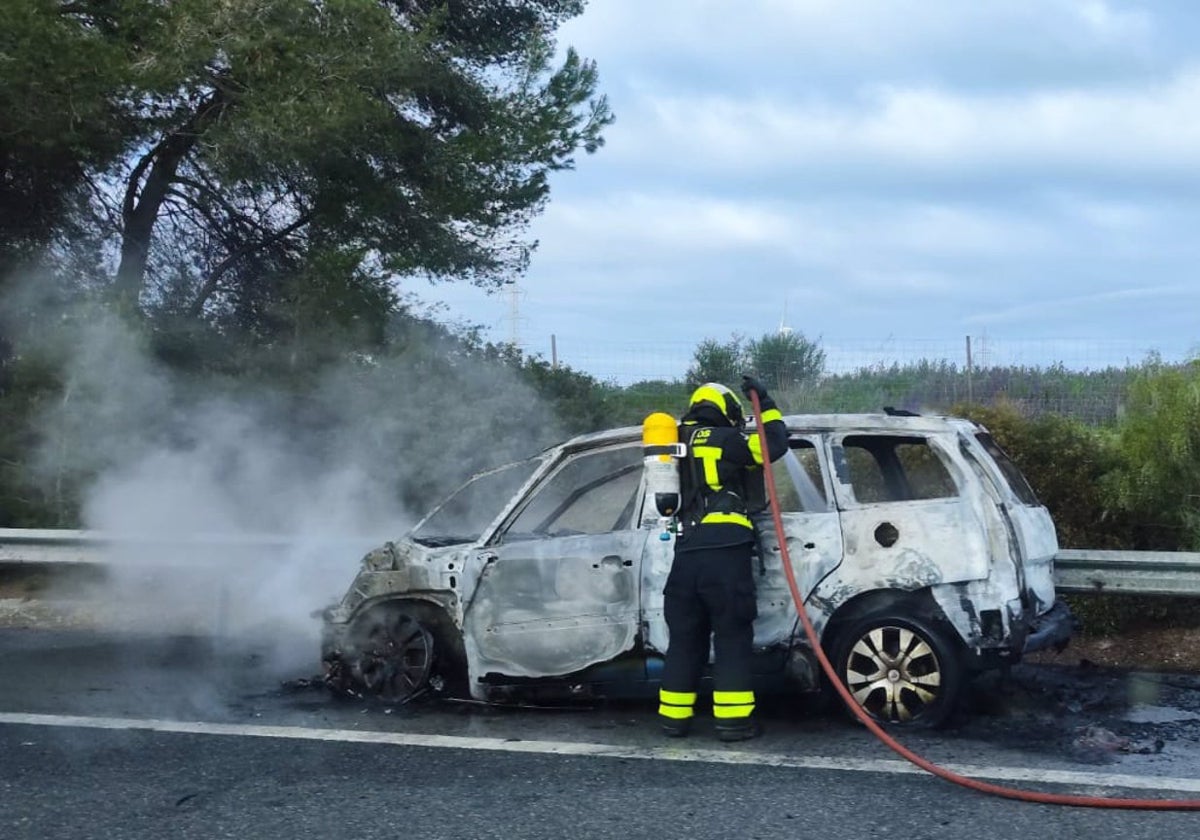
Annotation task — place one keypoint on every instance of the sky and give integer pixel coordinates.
(887, 177)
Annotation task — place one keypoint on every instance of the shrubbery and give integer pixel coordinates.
(1127, 488)
(1157, 478)
(1066, 462)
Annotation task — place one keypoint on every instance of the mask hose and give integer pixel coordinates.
(892, 743)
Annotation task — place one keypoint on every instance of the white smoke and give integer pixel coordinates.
(239, 511)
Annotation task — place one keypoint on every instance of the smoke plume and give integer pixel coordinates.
(239, 511)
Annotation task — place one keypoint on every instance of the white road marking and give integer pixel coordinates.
(1023, 775)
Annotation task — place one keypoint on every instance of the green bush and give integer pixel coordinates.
(27, 499)
(1070, 466)
(1158, 478)
(1066, 463)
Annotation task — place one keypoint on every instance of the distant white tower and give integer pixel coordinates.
(784, 329)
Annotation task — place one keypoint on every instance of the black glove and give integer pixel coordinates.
(749, 383)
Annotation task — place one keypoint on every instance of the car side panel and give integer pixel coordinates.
(554, 606)
(814, 543)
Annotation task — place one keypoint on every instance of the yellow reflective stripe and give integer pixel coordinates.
(676, 712)
(733, 697)
(755, 448)
(733, 518)
(732, 704)
(754, 442)
(709, 455)
(677, 698)
(727, 712)
(676, 705)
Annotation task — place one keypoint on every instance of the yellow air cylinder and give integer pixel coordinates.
(660, 453)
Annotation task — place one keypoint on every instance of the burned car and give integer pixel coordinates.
(922, 553)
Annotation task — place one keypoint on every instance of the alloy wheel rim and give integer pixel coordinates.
(894, 673)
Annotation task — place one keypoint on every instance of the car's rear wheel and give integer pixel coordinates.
(395, 657)
(899, 669)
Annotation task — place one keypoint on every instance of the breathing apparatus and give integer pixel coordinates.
(661, 451)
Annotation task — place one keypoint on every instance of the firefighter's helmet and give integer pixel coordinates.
(722, 399)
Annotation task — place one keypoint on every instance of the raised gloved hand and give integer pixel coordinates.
(749, 383)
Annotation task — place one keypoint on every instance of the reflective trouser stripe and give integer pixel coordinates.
(677, 705)
(732, 704)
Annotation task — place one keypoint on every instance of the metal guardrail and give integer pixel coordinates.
(221, 584)
(1128, 572)
(26, 547)
(1076, 570)
(52, 547)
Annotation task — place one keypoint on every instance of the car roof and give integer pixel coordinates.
(877, 422)
(926, 423)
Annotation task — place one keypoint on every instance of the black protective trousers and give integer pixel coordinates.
(710, 592)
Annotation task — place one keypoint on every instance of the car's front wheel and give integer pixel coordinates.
(394, 656)
(900, 669)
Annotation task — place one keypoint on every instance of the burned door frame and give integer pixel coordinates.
(552, 600)
(814, 540)
(1033, 538)
(907, 541)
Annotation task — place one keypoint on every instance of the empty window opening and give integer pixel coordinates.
(799, 482)
(895, 468)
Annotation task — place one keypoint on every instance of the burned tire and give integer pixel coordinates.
(900, 670)
(394, 657)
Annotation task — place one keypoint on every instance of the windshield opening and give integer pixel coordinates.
(463, 516)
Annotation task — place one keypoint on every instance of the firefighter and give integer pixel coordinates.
(710, 590)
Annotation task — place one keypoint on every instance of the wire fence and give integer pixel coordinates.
(1083, 378)
(627, 362)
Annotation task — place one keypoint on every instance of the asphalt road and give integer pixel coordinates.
(121, 735)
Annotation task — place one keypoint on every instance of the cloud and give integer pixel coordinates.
(1112, 299)
(878, 168)
(787, 44)
(1114, 216)
(668, 220)
(663, 230)
(915, 135)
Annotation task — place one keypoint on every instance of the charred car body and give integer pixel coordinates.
(922, 553)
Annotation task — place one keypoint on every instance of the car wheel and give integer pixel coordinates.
(900, 670)
(395, 657)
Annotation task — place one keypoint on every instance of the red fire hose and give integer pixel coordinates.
(877, 730)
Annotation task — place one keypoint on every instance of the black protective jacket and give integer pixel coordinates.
(715, 475)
